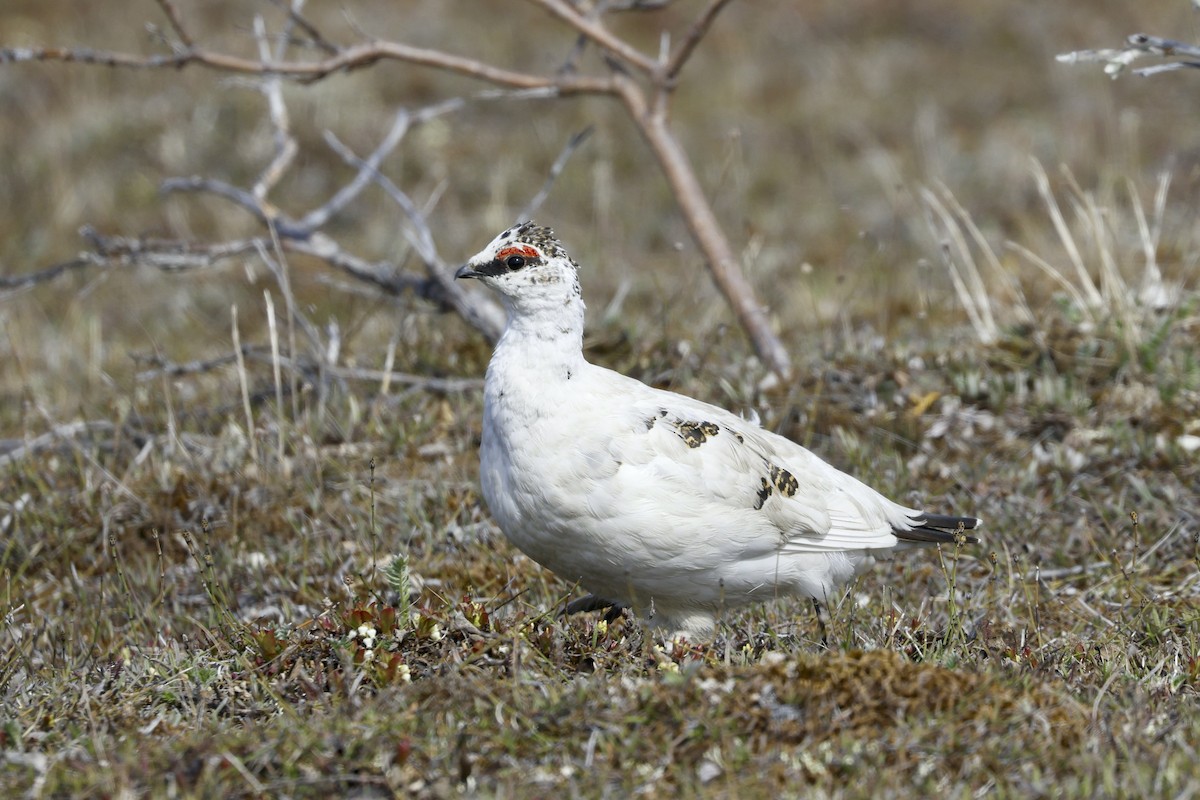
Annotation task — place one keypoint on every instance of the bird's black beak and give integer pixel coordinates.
(465, 271)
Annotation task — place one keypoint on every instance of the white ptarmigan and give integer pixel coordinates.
(650, 499)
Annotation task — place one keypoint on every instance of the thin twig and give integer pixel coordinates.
(83, 261)
(300, 21)
(244, 384)
(485, 315)
(272, 89)
(177, 256)
(362, 179)
(706, 230)
(692, 38)
(168, 7)
(347, 60)
(648, 112)
(404, 121)
(263, 355)
(279, 269)
(240, 197)
(160, 367)
(384, 274)
(592, 29)
(1146, 72)
(555, 170)
(167, 255)
(1137, 46)
(57, 435)
(285, 35)
(1157, 45)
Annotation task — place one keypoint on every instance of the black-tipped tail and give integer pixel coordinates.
(940, 529)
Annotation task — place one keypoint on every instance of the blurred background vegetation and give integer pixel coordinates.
(812, 124)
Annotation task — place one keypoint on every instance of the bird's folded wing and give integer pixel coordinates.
(708, 469)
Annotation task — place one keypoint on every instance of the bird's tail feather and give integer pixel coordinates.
(940, 529)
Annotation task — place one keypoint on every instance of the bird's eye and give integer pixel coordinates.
(515, 262)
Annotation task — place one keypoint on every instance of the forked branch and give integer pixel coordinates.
(643, 85)
(1174, 56)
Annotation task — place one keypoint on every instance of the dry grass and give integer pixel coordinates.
(184, 557)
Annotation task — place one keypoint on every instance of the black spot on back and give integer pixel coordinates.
(695, 434)
(784, 481)
(763, 494)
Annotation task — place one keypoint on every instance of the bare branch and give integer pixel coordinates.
(12, 451)
(319, 216)
(160, 367)
(370, 165)
(240, 197)
(429, 383)
(646, 103)
(176, 256)
(265, 213)
(559, 164)
(640, 5)
(168, 255)
(482, 314)
(383, 274)
(285, 144)
(349, 59)
(16, 283)
(1137, 46)
(168, 7)
(279, 268)
(1156, 45)
(592, 29)
(706, 230)
(296, 18)
(571, 62)
(694, 35)
(1146, 72)
(285, 36)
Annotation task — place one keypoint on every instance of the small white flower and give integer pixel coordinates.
(368, 655)
(405, 673)
(257, 560)
(435, 632)
(773, 658)
(668, 666)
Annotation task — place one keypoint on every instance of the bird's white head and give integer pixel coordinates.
(528, 267)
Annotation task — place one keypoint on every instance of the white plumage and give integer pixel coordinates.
(646, 498)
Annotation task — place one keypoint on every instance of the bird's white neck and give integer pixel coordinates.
(544, 336)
